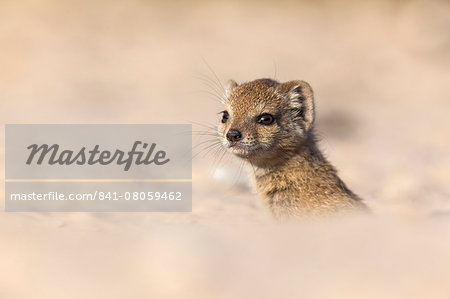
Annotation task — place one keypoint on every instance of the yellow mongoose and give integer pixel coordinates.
(270, 124)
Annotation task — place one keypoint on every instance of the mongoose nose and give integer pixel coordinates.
(234, 135)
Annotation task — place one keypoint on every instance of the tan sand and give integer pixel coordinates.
(381, 73)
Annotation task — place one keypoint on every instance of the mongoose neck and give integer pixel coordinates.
(305, 155)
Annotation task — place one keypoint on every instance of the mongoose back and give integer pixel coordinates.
(271, 125)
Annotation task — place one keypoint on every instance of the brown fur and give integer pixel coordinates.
(292, 175)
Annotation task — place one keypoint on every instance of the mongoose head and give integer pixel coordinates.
(265, 120)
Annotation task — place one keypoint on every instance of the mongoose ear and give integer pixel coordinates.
(301, 98)
(229, 87)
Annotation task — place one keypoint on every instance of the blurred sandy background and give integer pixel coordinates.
(381, 73)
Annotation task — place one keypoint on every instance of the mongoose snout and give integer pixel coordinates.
(234, 135)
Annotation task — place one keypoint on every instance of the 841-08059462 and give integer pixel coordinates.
(140, 195)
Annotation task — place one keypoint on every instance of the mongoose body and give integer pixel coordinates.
(271, 125)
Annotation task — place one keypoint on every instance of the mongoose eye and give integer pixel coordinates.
(225, 116)
(266, 119)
